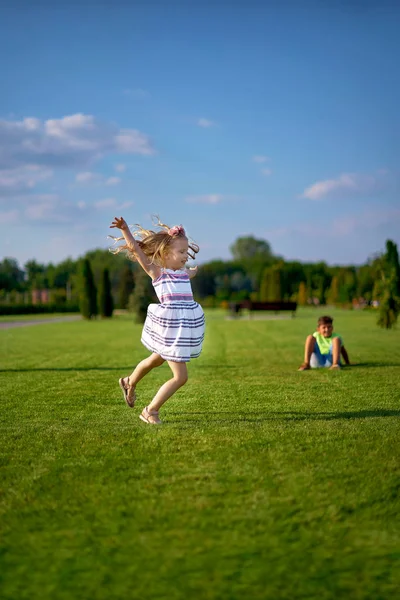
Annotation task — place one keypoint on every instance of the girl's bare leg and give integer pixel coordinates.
(144, 367)
(180, 377)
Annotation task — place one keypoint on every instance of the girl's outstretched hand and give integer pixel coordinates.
(192, 271)
(119, 223)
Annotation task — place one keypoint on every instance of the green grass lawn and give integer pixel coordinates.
(38, 317)
(263, 482)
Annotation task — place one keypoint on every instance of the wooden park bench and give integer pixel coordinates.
(277, 306)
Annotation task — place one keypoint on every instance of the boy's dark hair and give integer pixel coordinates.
(325, 321)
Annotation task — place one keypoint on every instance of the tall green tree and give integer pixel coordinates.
(204, 284)
(253, 255)
(389, 302)
(142, 295)
(105, 299)
(333, 292)
(302, 295)
(35, 274)
(393, 264)
(250, 248)
(270, 286)
(126, 286)
(386, 289)
(87, 291)
(11, 276)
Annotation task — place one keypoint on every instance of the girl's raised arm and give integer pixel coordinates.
(151, 269)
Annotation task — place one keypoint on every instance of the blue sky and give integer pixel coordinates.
(232, 118)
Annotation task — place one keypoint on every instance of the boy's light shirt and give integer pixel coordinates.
(324, 344)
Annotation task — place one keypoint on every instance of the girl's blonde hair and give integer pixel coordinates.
(155, 244)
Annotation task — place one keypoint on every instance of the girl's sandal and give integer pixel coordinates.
(150, 417)
(128, 391)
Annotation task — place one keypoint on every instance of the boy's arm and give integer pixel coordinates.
(345, 355)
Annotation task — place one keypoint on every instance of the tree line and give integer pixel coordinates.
(100, 281)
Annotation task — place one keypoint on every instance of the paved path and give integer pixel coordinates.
(11, 324)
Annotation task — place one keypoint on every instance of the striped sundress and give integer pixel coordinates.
(174, 329)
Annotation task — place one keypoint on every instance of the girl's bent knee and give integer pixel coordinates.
(156, 360)
(181, 380)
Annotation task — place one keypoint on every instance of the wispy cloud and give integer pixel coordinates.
(266, 172)
(9, 216)
(108, 203)
(121, 168)
(260, 159)
(341, 227)
(22, 178)
(346, 182)
(71, 141)
(90, 178)
(43, 209)
(205, 199)
(87, 177)
(113, 181)
(371, 219)
(205, 123)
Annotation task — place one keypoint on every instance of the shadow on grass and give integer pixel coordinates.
(255, 417)
(373, 364)
(66, 369)
(130, 368)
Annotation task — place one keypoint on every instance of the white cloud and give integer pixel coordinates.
(9, 216)
(266, 172)
(341, 227)
(113, 181)
(371, 219)
(131, 141)
(88, 177)
(41, 209)
(205, 123)
(124, 205)
(47, 208)
(108, 203)
(260, 159)
(206, 199)
(22, 178)
(120, 168)
(71, 141)
(351, 182)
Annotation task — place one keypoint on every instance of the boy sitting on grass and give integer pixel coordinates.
(323, 348)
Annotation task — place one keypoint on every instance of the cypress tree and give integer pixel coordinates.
(388, 288)
(389, 303)
(302, 295)
(271, 285)
(393, 264)
(141, 297)
(333, 292)
(106, 304)
(87, 295)
(126, 286)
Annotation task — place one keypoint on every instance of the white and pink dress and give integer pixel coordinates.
(174, 329)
